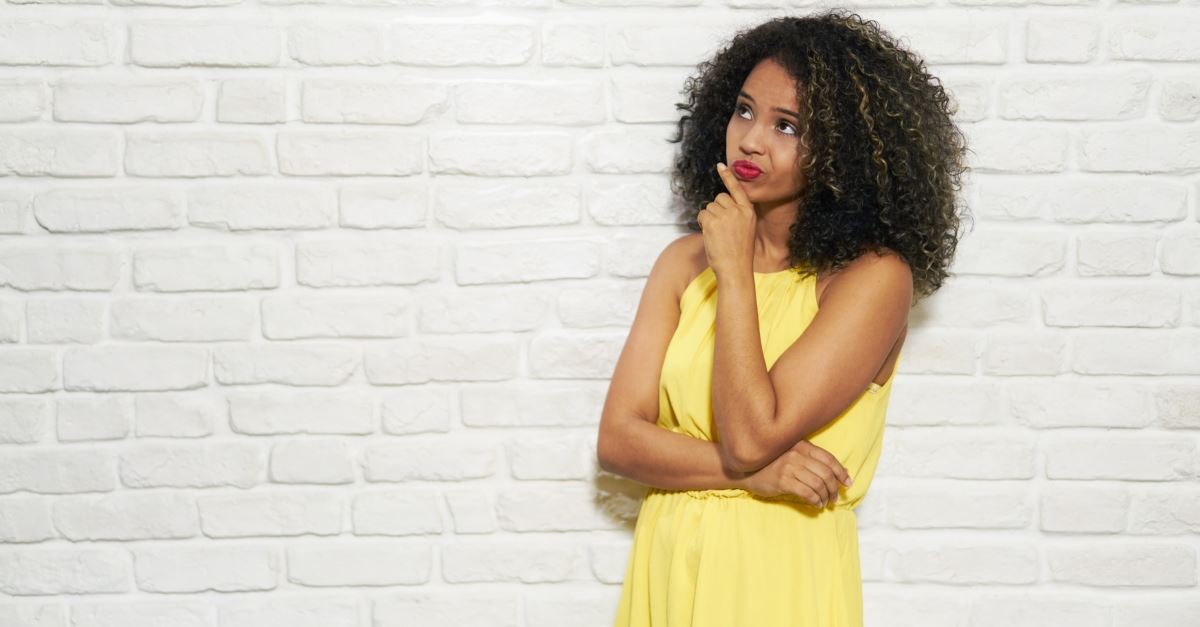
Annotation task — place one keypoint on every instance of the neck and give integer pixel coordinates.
(772, 228)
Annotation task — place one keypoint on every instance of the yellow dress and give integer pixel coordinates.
(729, 558)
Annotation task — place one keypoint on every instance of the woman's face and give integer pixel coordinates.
(765, 131)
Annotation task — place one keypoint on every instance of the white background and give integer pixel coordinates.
(308, 310)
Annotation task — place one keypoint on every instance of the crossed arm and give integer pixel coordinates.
(761, 413)
(664, 459)
(632, 445)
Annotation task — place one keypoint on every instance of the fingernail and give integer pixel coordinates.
(721, 167)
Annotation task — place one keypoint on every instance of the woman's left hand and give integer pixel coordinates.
(727, 224)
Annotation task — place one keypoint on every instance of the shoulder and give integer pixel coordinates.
(883, 261)
(874, 274)
(691, 244)
(682, 260)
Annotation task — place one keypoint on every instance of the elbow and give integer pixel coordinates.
(605, 464)
(740, 459)
(742, 450)
(603, 454)
(747, 465)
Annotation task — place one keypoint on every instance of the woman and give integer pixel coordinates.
(757, 418)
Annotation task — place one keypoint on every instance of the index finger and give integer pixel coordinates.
(733, 185)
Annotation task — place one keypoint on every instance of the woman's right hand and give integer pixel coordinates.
(805, 470)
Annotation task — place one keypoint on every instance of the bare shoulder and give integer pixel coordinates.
(688, 260)
(884, 271)
(633, 389)
(884, 257)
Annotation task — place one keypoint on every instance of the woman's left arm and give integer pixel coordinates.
(760, 413)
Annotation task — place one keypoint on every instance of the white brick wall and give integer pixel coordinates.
(307, 311)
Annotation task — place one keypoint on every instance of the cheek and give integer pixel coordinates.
(785, 157)
(789, 179)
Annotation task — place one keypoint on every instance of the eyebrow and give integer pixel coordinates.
(791, 113)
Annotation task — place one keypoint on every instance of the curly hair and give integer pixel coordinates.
(885, 159)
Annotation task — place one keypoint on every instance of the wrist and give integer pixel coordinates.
(736, 285)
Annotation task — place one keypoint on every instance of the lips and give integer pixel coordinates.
(746, 169)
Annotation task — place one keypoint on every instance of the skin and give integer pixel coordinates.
(862, 315)
(758, 132)
(632, 445)
(747, 230)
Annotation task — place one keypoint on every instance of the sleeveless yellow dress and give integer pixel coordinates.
(729, 558)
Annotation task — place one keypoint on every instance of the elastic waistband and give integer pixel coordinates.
(738, 493)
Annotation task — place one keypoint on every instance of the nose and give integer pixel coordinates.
(751, 142)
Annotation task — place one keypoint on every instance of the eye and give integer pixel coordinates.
(740, 107)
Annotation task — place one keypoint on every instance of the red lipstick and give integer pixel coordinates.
(746, 169)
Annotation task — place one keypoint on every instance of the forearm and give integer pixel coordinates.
(743, 397)
(657, 457)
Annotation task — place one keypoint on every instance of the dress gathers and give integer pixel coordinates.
(730, 558)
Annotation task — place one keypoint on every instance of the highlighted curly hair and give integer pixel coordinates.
(885, 159)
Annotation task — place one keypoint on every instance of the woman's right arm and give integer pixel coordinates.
(630, 443)
(654, 456)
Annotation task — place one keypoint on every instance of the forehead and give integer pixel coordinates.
(770, 83)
